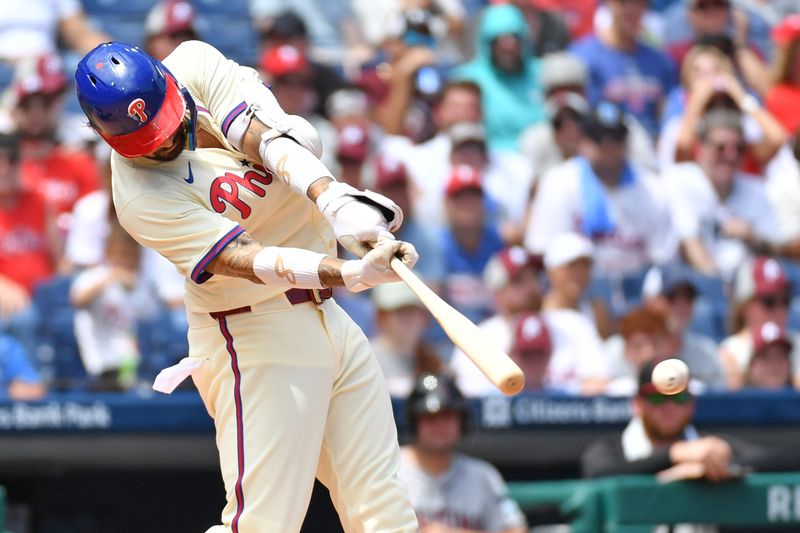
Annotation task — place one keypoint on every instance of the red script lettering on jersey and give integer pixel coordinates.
(225, 189)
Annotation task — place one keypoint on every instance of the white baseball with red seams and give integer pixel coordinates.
(671, 376)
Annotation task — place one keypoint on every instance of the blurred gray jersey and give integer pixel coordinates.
(470, 495)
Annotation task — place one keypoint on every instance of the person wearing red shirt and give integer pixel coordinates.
(25, 244)
(784, 95)
(60, 176)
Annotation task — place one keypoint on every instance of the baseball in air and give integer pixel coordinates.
(671, 376)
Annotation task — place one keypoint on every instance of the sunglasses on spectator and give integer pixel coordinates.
(707, 5)
(772, 302)
(656, 398)
(721, 149)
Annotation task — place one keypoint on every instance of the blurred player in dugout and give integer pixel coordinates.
(450, 492)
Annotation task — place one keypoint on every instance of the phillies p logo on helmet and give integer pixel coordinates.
(136, 110)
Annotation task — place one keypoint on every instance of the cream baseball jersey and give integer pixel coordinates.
(190, 208)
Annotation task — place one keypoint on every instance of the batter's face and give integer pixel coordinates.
(173, 146)
(439, 432)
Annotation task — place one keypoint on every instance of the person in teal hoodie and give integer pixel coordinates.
(508, 74)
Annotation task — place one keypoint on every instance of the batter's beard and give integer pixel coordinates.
(177, 147)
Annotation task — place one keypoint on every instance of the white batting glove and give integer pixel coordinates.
(358, 216)
(373, 269)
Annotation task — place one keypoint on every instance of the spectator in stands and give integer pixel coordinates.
(646, 339)
(352, 150)
(602, 196)
(718, 20)
(710, 84)
(31, 28)
(671, 291)
(512, 277)
(449, 490)
(547, 28)
(391, 180)
(623, 69)
(782, 183)
(721, 214)
(109, 299)
(413, 84)
(507, 174)
(26, 248)
(568, 260)
(781, 99)
(507, 194)
(771, 361)
(532, 350)
(660, 439)
(762, 292)
(508, 74)
(281, 25)
(467, 243)
(564, 77)
(168, 24)
(400, 322)
(287, 70)
(60, 176)
(578, 14)
(577, 365)
(18, 378)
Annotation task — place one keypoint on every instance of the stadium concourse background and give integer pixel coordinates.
(77, 457)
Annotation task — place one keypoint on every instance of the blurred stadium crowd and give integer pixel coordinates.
(598, 184)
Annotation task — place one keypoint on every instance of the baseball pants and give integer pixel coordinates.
(295, 392)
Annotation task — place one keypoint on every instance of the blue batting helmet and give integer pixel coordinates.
(130, 98)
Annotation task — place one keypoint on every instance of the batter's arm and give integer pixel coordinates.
(238, 258)
(319, 182)
(290, 268)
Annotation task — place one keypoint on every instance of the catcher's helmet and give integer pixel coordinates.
(130, 98)
(434, 393)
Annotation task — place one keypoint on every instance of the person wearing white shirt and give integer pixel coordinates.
(602, 196)
(31, 27)
(721, 214)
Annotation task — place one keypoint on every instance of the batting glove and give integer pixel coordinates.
(373, 269)
(358, 216)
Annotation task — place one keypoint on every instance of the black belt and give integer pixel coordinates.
(295, 296)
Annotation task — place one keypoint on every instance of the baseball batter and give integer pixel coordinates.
(212, 174)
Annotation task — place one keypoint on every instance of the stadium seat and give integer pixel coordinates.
(233, 36)
(125, 29)
(161, 343)
(57, 350)
(239, 8)
(133, 9)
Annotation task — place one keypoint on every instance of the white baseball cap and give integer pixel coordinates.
(566, 248)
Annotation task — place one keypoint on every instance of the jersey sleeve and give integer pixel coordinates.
(222, 87)
(186, 233)
(552, 212)
(16, 363)
(501, 511)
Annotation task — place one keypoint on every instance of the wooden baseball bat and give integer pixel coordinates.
(493, 362)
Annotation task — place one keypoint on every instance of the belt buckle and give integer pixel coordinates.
(316, 296)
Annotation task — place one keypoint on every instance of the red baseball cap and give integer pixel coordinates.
(531, 333)
(768, 334)
(48, 78)
(787, 30)
(763, 277)
(505, 265)
(353, 142)
(463, 177)
(170, 17)
(279, 61)
(390, 171)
